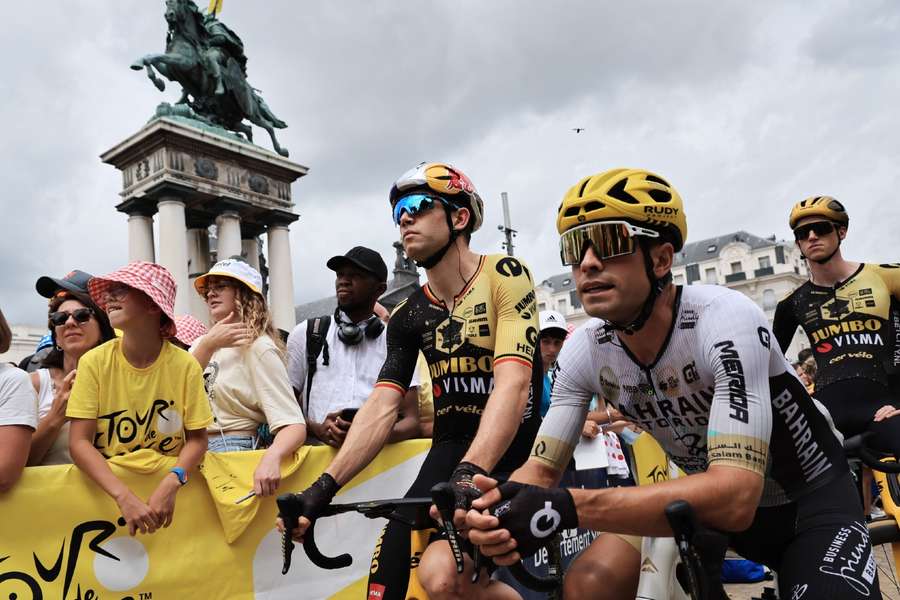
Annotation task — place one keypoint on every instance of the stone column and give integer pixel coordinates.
(198, 264)
(281, 278)
(250, 251)
(140, 238)
(228, 225)
(173, 248)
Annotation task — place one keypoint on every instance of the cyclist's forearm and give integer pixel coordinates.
(534, 472)
(723, 498)
(367, 435)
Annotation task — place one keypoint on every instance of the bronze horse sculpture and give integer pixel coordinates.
(207, 59)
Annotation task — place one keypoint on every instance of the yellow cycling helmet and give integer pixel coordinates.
(820, 206)
(634, 195)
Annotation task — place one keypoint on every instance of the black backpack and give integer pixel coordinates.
(316, 328)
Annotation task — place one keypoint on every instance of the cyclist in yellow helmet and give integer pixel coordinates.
(696, 368)
(850, 313)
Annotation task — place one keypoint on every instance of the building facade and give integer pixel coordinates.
(764, 269)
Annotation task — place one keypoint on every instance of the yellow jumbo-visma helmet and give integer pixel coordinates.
(819, 206)
(635, 195)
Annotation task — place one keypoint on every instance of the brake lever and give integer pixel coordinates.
(442, 496)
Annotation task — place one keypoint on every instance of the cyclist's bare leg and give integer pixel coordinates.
(437, 574)
(609, 569)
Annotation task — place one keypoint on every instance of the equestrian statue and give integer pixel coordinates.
(207, 58)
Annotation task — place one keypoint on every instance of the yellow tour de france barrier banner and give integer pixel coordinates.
(61, 536)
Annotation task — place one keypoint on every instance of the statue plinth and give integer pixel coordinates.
(194, 178)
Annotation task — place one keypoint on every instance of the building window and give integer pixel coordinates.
(542, 306)
(711, 248)
(711, 276)
(769, 299)
(765, 262)
(736, 267)
(574, 300)
(693, 273)
(679, 279)
(779, 255)
(566, 281)
(561, 305)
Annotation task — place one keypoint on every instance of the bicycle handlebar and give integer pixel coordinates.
(702, 551)
(858, 445)
(290, 508)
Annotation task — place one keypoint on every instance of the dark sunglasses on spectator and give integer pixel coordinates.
(820, 228)
(81, 315)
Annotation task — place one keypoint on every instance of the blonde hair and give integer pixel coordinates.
(5, 334)
(253, 312)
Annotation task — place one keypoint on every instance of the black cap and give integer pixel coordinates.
(74, 281)
(364, 258)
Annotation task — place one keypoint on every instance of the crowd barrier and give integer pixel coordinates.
(62, 537)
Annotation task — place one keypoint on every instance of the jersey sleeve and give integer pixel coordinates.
(890, 274)
(516, 312)
(84, 399)
(296, 357)
(402, 351)
(570, 397)
(197, 414)
(735, 345)
(784, 325)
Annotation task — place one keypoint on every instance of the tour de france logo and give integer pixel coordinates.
(119, 564)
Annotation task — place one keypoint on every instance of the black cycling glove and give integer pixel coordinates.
(464, 491)
(312, 501)
(533, 514)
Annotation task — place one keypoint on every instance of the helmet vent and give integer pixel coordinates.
(660, 195)
(572, 211)
(618, 192)
(836, 206)
(593, 205)
(656, 179)
(584, 185)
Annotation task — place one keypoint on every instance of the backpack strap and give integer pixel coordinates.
(316, 328)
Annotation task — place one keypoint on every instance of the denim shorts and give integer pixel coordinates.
(230, 443)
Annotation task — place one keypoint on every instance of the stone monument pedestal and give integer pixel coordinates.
(192, 177)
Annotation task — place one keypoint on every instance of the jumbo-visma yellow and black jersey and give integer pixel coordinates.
(494, 319)
(853, 327)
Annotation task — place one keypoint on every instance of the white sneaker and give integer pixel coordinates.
(877, 513)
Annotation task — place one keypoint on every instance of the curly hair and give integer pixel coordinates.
(253, 312)
(55, 357)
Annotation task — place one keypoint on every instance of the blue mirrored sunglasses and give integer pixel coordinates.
(413, 204)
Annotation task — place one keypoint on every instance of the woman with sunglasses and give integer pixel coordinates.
(850, 313)
(76, 325)
(245, 371)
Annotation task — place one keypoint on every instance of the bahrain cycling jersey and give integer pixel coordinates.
(854, 327)
(494, 319)
(718, 393)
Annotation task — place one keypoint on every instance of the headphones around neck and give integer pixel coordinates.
(351, 334)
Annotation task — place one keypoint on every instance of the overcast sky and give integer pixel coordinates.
(746, 107)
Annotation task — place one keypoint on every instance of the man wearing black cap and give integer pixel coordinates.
(334, 361)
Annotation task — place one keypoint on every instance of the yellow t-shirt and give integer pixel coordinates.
(250, 386)
(139, 408)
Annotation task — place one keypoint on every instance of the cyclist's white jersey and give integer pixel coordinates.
(719, 392)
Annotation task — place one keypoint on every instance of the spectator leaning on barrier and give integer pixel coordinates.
(245, 371)
(334, 361)
(76, 325)
(140, 378)
(18, 415)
